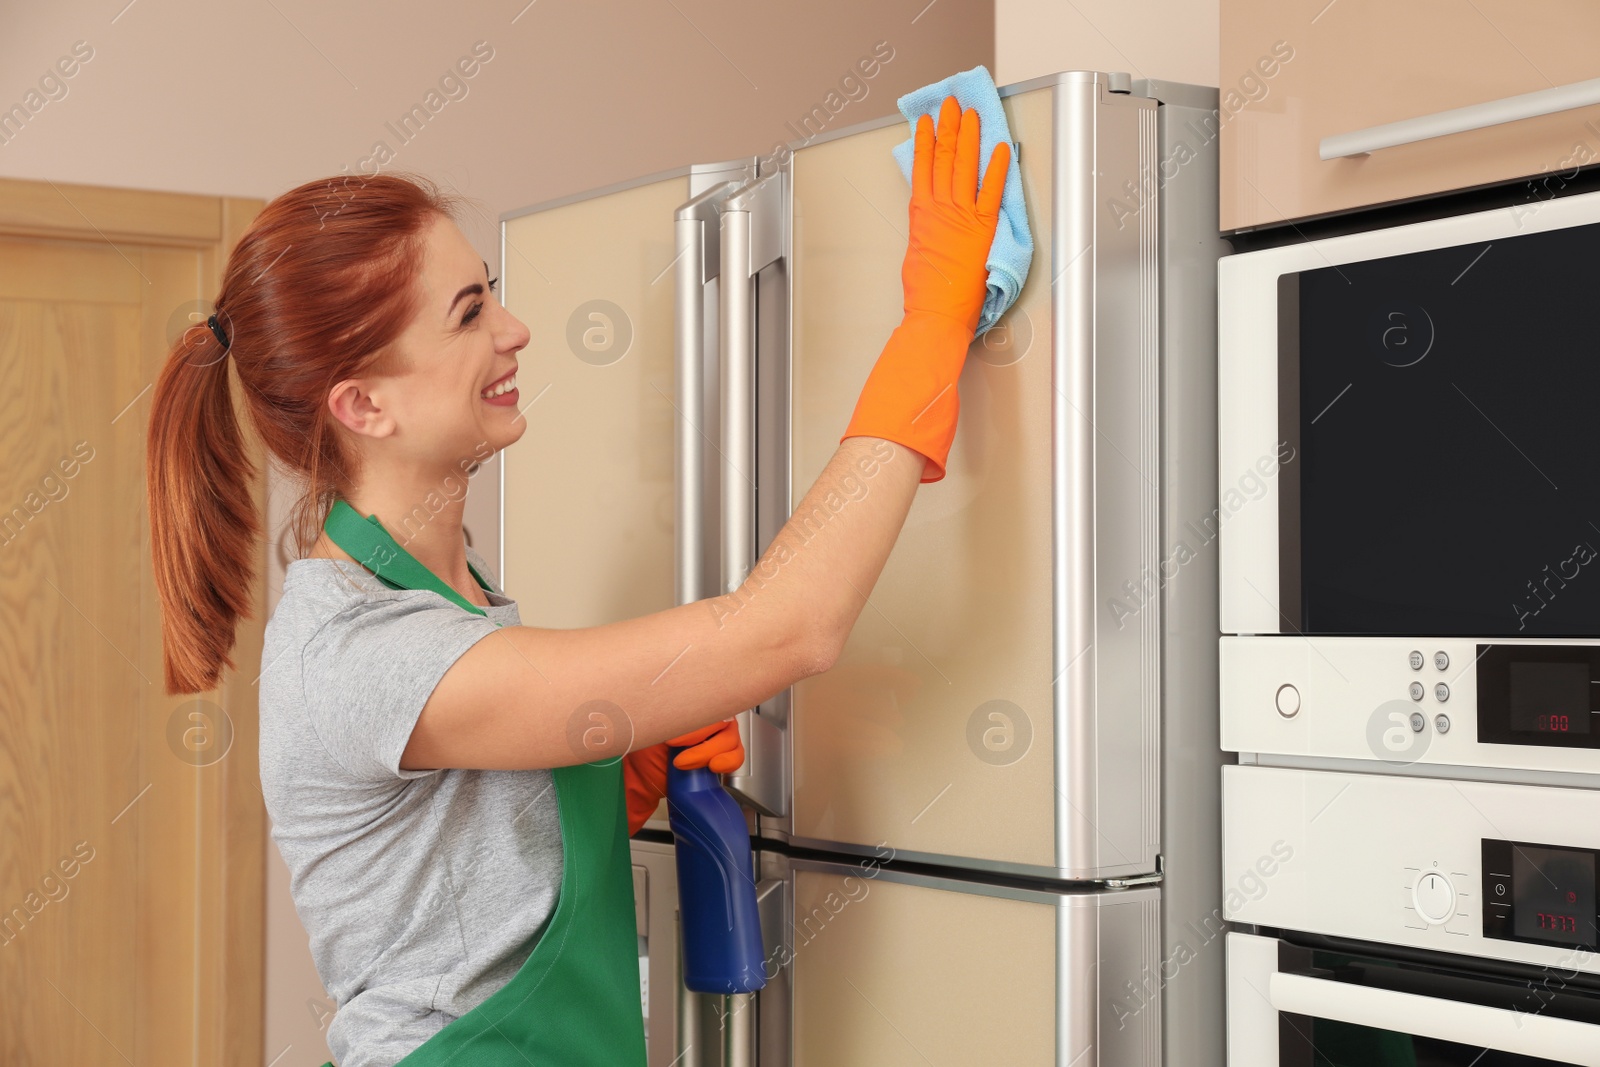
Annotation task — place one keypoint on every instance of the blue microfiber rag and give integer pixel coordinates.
(1012, 250)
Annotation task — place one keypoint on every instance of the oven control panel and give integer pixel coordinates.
(1433, 897)
(1531, 705)
(1539, 893)
(1479, 868)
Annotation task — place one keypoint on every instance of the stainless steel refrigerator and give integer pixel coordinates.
(990, 833)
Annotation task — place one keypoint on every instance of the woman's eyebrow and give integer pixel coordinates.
(470, 290)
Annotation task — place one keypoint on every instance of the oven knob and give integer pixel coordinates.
(1441, 660)
(1441, 722)
(1417, 691)
(1441, 692)
(1434, 897)
(1288, 700)
(1416, 661)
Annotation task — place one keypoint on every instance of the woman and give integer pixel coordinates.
(455, 831)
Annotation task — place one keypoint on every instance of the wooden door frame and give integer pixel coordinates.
(230, 851)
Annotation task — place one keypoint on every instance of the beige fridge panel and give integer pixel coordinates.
(894, 974)
(589, 506)
(934, 730)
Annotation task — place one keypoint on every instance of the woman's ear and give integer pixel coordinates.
(352, 402)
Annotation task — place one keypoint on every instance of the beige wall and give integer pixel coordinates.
(1171, 39)
(253, 99)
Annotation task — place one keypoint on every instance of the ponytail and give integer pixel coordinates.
(318, 289)
(203, 520)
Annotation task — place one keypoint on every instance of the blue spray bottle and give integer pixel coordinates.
(722, 950)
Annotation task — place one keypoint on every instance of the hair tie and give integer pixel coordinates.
(216, 331)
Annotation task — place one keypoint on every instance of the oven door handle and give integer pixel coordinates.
(1522, 1033)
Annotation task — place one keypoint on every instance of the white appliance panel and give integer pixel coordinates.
(1401, 860)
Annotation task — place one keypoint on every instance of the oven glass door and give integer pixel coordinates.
(1443, 406)
(1360, 998)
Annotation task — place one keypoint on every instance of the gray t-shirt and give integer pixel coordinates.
(423, 891)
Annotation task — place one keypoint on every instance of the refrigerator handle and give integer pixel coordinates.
(698, 261)
(753, 232)
(753, 1024)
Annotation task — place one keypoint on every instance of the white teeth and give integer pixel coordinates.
(504, 387)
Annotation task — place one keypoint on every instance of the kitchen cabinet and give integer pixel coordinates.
(1292, 76)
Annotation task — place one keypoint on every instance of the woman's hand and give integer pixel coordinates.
(717, 746)
(910, 396)
(644, 771)
(952, 221)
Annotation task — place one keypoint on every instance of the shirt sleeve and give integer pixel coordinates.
(370, 669)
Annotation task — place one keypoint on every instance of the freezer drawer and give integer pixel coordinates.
(996, 705)
(655, 906)
(682, 1029)
(883, 967)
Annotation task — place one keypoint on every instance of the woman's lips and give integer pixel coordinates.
(505, 399)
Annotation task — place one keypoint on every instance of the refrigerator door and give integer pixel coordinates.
(884, 967)
(590, 495)
(996, 705)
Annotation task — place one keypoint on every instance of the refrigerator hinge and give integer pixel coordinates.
(1142, 879)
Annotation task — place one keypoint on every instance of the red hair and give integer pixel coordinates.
(316, 291)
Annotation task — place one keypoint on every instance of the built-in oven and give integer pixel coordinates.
(1381, 918)
(1299, 1001)
(1410, 473)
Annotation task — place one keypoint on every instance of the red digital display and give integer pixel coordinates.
(1561, 924)
(1543, 879)
(1549, 697)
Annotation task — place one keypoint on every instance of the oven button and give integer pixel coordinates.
(1417, 722)
(1288, 700)
(1416, 661)
(1441, 722)
(1441, 660)
(1435, 897)
(1441, 692)
(1417, 690)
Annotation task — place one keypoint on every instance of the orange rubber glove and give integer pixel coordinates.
(717, 746)
(644, 772)
(644, 783)
(910, 396)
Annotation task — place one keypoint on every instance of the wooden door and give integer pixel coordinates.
(132, 828)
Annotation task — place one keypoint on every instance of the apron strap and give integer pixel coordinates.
(375, 548)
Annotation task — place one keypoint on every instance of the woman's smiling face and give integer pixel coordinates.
(448, 397)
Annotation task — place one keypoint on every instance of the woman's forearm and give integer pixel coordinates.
(815, 576)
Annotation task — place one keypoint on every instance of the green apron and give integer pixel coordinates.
(575, 1001)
